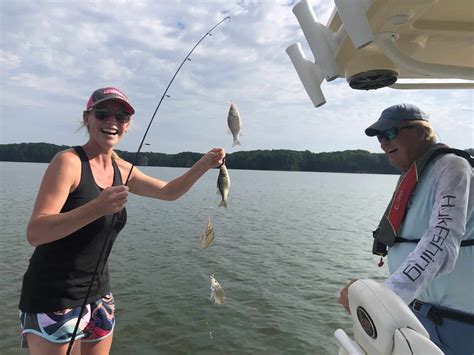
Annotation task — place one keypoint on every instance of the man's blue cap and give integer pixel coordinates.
(391, 116)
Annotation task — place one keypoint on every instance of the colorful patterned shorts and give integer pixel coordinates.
(97, 322)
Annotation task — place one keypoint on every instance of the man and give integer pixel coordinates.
(428, 228)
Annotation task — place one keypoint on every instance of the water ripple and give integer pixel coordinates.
(284, 247)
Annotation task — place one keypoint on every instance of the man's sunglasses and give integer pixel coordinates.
(103, 114)
(391, 133)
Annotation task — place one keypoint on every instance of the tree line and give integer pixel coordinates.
(348, 161)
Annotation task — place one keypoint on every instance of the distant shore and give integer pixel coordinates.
(348, 161)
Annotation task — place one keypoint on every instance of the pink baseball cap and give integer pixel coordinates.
(109, 93)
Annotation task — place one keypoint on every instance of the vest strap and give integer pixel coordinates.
(398, 205)
(436, 314)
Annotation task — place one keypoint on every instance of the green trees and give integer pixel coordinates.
(349, 161)
(29, 152)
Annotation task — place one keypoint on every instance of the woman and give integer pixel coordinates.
(428, 228)
(81, 203)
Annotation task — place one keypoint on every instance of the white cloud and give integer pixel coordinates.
(54, 54)
(9, 60)
(37, 82)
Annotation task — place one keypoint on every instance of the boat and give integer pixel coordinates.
(382, 324)
(375, 44)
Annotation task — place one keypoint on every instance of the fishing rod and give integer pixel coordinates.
(135, 161)
(208, 33)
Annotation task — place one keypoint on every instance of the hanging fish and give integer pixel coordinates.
(234, 123)
(217, 292)
(223, 184)
(207, 237)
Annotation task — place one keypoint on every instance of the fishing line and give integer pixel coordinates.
(209, 329)
(115, 216)
(208, 33)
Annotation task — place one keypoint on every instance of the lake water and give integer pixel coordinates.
(284, 247)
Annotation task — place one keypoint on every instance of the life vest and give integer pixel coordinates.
(386, 233)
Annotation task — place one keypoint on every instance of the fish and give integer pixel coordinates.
(223, 184)
(234, 122)
(217, 292)
(207, 237)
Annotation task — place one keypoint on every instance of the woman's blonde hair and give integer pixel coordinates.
(427, 127)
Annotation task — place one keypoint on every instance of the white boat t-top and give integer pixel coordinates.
(379, 43)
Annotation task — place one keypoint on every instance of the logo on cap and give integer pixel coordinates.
(113, 91)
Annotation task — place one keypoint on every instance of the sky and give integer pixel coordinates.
(54, 53)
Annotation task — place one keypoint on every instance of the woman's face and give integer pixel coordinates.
(107, 122)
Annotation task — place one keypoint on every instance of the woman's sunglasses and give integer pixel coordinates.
(391, 133)
(103, 114)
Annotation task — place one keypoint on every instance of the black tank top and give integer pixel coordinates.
(60, 272)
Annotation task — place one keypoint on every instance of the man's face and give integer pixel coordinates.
(404, 148)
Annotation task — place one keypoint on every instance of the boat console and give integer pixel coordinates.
(383, 324)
